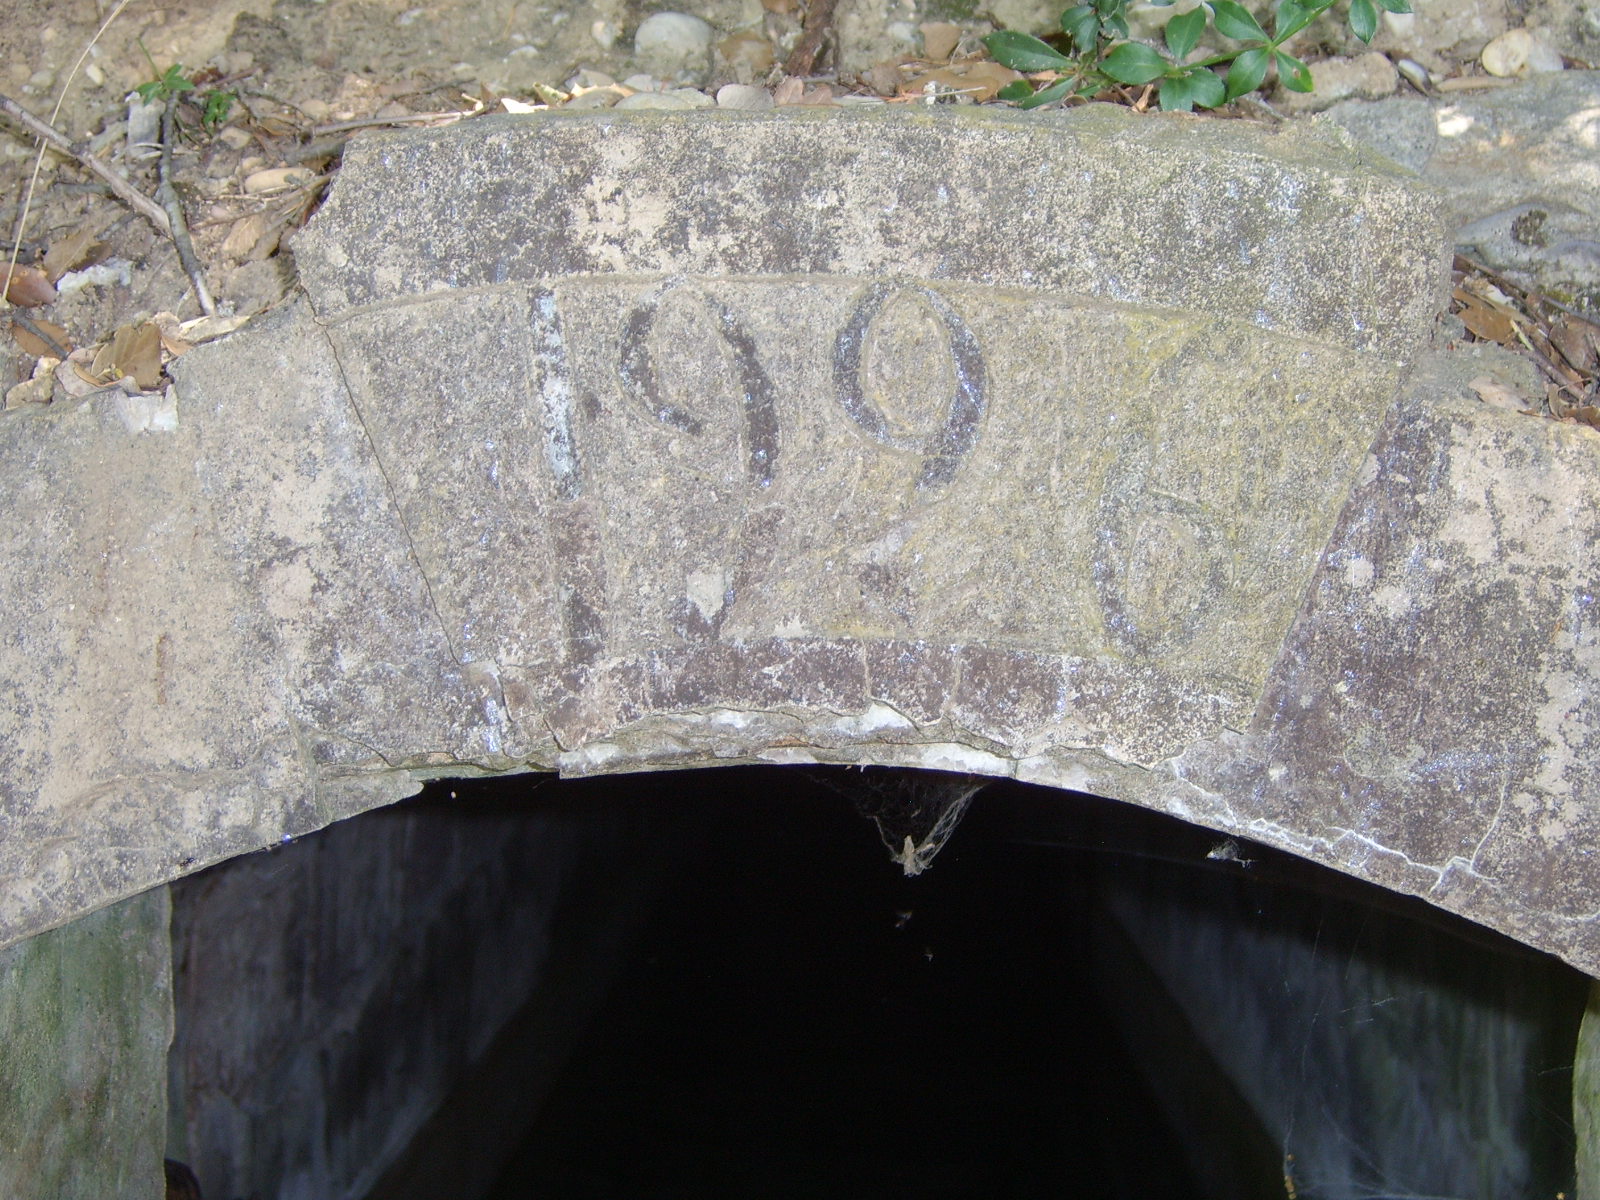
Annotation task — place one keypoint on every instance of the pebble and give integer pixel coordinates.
(743, 96)
(675, 46)
(603, 97)
(1369, 76)
(277, 179)
(677, 99)
(1518, 53)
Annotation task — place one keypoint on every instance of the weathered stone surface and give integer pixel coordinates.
(1428, 726)
(1517, 166)
(1076, 449)
(85, 1018)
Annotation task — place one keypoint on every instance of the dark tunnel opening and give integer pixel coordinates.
(732, 992)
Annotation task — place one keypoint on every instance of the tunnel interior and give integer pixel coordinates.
(715, 983)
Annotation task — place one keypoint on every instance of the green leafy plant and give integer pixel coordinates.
(170, 82)
(1101, 56)
(215, 106)
(215, 103)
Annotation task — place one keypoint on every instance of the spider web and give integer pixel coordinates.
(915, 811)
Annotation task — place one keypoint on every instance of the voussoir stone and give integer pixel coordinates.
(1010, 443)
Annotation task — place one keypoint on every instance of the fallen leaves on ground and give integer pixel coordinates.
(1564, 345)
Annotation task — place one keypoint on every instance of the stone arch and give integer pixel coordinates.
(1167, 528)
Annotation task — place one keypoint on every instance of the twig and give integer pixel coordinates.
(324, 148)
(50, 343)
(124, 190)
(168, 195)
(17, 112)
(819, 20)
(409, 119)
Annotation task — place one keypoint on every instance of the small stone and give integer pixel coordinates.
(590, 98)
(1517, 53)
(675, 46)
(743, 96)
(1368, 77)
(604, 33)
(679, 99)
(235, 138)
(586, 78)
(642, 83)
(939, 39)
(33, 391)
(277, 179)
(746, 56)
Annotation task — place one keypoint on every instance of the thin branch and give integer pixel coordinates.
(168, 195)
(124, 190)
(819, 20)
(44, 335)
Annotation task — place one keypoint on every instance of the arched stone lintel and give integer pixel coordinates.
(1060, 521)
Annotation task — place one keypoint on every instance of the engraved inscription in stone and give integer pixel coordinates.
(905, 350)
(819, 456)
(682, 348)
(1161, 568)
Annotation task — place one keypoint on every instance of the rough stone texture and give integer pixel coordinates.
(1076, 448)
(1430, 707)
(1519, 169)
(85, 1018)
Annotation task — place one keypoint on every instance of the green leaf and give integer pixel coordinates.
(1292, 73)
(1162, 3)
(1082, 24)
(1021, 52)
(1184, 30)
(1135, 63)
(1363, 19)
(1291, 17)
(1247, 72)
(1234, 21)
(1055, 91)
(173, 82)
(1017, 89)
(1395, 6)
(1200, 87)
(217, 107)
(1114, 25)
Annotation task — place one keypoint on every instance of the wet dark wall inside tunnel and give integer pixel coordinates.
(732, 992)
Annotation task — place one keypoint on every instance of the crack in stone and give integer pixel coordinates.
(390, 494)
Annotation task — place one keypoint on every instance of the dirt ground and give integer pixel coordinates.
(270, 90)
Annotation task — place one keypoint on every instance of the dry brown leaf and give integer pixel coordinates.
(277, 179)
(790, 91)
(1486, 320)
(782, 7)
(133, 350)
(28, 287)
(1492, 391)
(939, 40)
(1578, 340)
(33, 344)
(173, 340)
(981, 79)
(243, 236)
(884, 78)
(79, 249)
